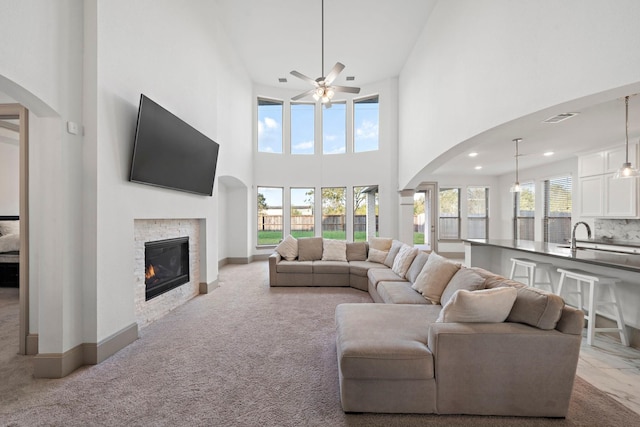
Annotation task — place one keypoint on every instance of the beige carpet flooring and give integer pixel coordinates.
(243, 355)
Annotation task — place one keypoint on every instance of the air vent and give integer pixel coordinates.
(560, 117)
(282, 79)
(351, 78)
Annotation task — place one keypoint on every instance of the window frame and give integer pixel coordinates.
(565, 229)
(258, 210)
(269, 101)
(486, 211)
(440, 217)
(322, 217)
(293, 231)
(516, 210)
(365, 100)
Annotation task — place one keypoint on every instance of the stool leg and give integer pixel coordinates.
(560, 283)
(592, 313)
(613, 290)
(513, 270)
(531, 275)
(550, 280)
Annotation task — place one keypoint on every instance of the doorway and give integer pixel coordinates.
(15, 117)
(425, 224)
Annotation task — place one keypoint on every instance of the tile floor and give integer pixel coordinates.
(612, 368)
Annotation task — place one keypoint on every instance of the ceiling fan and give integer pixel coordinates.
(322, 89)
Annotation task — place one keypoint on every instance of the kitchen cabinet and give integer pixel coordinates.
(602, 196)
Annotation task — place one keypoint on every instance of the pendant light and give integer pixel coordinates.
(626, 171)
(516, 188)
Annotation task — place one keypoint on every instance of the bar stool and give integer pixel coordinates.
(584, 277)
(530, 267)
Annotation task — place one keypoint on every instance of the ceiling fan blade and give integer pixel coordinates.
(333, 73)
(303, 94)
(305, 78)
(347, 89)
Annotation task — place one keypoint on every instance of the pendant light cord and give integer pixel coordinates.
(626, 127)
(322, 32)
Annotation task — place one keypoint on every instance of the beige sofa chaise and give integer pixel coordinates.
(446, 339)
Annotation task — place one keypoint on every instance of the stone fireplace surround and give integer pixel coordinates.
(146, 230)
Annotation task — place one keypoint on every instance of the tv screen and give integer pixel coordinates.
(169, 153)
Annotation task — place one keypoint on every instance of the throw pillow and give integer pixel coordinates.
(377, 256)
(536, 307)
(393, 252)
(380, 243)
(466, 279)
(288, 248)
(334, 250)
(416, 266)
(357, 251)
(9, 227)
(310, 249)
(484, 306)
(9, 243)
(434, 277)
(403, 260)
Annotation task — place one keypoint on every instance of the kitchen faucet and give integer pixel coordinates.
(573, 234)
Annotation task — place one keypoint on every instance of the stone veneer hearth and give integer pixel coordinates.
(146, 230)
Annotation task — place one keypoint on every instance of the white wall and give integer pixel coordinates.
(516, 57)
(9, 174)
(336, 170)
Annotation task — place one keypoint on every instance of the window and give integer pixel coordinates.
(449, 216)
(557, 210)
(269, 215)
(477, 212)
(524, 212)
(269, 126)
(365, 119)
(302, 218)
(302, 128)
(334, 128)
(365, 213)
(419, 218)
(333, 213)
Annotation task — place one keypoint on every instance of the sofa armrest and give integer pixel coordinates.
(274, 259)
(503, 368)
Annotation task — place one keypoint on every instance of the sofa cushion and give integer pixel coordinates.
(536, 307)
(334, 250)
(399, 293)
(466, 279)
(416, 266)
(361, 268)
(393, 252)
(288, 248)
(294, 267)
(484, 306)
(434, 277)
(357, 251)
(328, 267)
(310, 249)
(376, 255)
(377, 275)
(403, 260)
(380, 243)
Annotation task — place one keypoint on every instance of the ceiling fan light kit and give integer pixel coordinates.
(627, 170)
(323, 91)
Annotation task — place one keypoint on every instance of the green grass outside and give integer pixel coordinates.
(418, 238)
(274, 237)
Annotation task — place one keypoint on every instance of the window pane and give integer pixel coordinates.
(333, 213)
(334, 128)
(269, 215)
(449, 217)
(525, 202)
(419, 219)
(365, 213)
(302, 128)
(302, 218)
(557, 210)
(477, 212)
(269, 126)
(365, 119)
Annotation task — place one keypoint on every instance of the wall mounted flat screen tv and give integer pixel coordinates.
(170, 153)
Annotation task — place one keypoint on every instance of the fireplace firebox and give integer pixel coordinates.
(166, 265)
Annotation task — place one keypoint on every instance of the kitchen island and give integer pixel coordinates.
(495, 255)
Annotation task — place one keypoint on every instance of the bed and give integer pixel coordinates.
(9, 251)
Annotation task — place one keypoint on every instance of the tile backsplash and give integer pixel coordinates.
(619, 229)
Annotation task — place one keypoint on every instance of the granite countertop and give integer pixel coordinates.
(625, 261)
(612, 242)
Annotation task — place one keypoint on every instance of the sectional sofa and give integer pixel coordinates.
(440, 338)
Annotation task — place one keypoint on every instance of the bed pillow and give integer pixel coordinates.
(310, 249)
(9, 243)
(376, 255)
(484, 306)
(403, 260)
(334, 250)
(9, 227)
(288, 248)
(434, 277)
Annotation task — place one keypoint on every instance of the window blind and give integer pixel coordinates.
(557, 209)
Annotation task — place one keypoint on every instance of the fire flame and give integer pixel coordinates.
(150, 272)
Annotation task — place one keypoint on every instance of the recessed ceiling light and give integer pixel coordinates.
(549, 153)
(473, 154)
(478, 168)
(282, 79)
